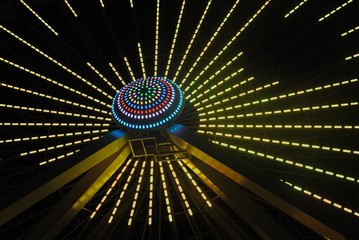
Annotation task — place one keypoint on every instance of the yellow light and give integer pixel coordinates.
(141, 60)
(355, 80)
(325, 200)
(53, 98)
(54, 112)
(58, 146)
(53, 136)
(352, 56)
(175, 37)
(150, 200)
(59, 157)
(129, 69)
(24, 124)
(102, 4)
(295, 8)
(58, 64)
(123, 191)
(101, 76)
(210, 78)
(304, 145)
(138, 187)
(192, 40)
(335, 10)
(39, 18)
(52, 81)
(117, 74)
(179, 187)
(285, 110)
(165, 192)
(209, 42)
(237, 96)
(350, 31)
(228, 43)
(70, 7)
(199, 190)
(111, 188)
(157, 36)
(286, 161)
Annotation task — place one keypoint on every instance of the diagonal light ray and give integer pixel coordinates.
(350, 31)
(60, 135)
(43, 95)
(157, 37)
(117, 74)
(151, 192)
(62, 156)
(43, 110)
(209, 43)
(55, 61)
(165, 192)
(204, 14)
(53, 81)
(59, 146)
(101, 76)
(175, 37)
(137, 192)
(290, 162)
(279, 111)
(323, 199)
(52, 124)
(280, 126)
(216, 85)
(129, 69)
(309, 90)
(123, 192)
(352, 56)
(283, 96)
(108, 192)
(230, 41)
(39, 18)
(180, 189)
(335, 10)
(284, 142)
(194, 183)
(295, 8)
(71, 8)
(141, 60)
(102, 3)
(233, 97)
(224, 67)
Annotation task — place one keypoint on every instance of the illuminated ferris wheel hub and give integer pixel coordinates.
(147, 103)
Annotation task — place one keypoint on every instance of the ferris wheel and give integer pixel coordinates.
(179, 119)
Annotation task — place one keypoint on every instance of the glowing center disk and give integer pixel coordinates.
(147, 103)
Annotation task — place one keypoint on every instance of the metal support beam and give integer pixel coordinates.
(78, 197)
(216, 212)
(323, 219)
(226, 189)
(60, 174)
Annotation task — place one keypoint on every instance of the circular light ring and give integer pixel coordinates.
(143, 98)
(147, 103)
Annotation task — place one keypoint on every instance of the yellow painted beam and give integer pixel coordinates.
(79, 196)
(38, 188)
